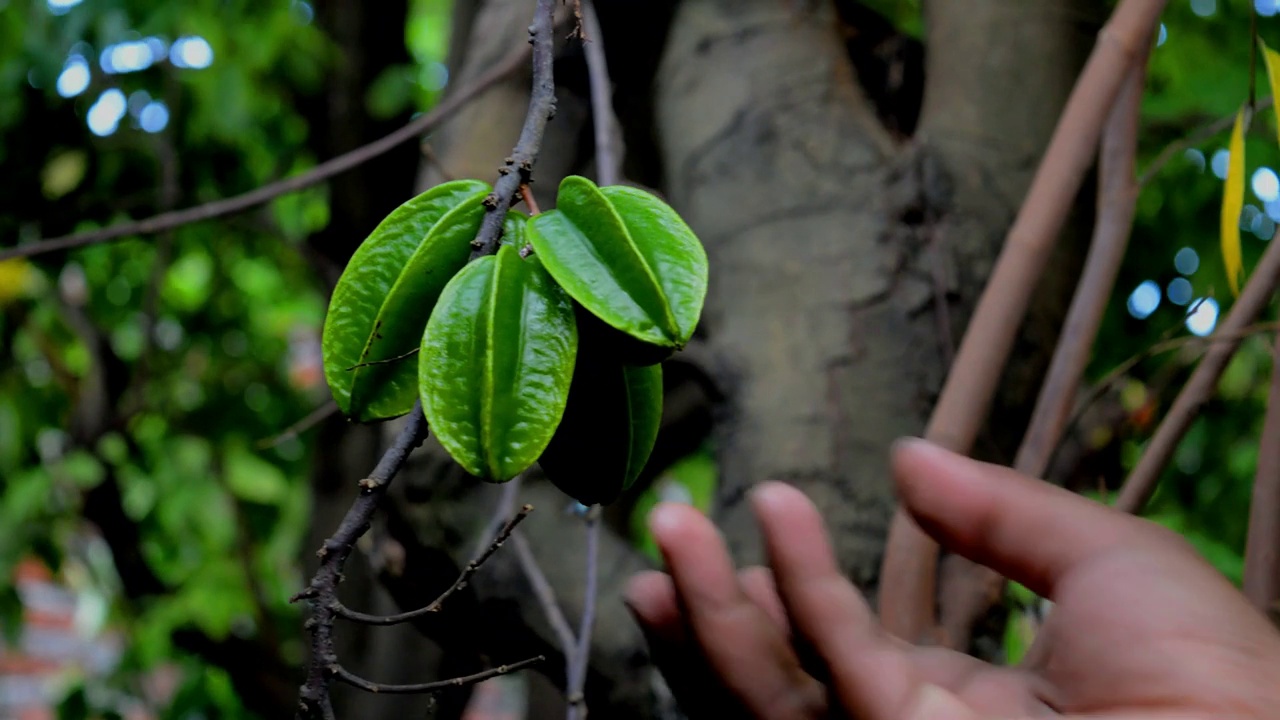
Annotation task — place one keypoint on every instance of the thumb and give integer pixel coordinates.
(1025, 529)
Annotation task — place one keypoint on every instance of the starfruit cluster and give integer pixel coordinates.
(548, 351)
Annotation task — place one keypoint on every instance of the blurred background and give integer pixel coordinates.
(159, 396)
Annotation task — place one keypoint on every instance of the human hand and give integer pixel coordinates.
(1141, 628)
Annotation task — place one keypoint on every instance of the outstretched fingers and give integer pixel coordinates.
(871, 674)
(741, 642)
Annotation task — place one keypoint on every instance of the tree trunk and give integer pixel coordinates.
(845, 259)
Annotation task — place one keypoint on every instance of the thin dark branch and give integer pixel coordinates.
(1262, 550)
(545, 594)
(313, 418)
(1195, 137)
(518, 168)
(608, 136)
(1114, 375)
(342, 611)
(503, 512)
(1257, 293)
(228, 206)
(347, 677)
(580, 660)
(314, 696)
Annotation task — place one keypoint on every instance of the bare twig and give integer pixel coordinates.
(313, 418)
(323, 589)
(1257, 293)
(907, 591)
(608, 135)
(1197, 136)
(545, 594)
(347, 677)
(344, 612)
(228, 206)
(971, 589)
(580, 659)
(1262, 549)
(1173, 343)
(518, 168)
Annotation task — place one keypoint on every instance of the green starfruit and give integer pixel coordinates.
(496, 362)
(384, 297)
(628, 258)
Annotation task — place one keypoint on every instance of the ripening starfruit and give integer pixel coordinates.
(496, 362)
(608, 430)
(384, 297)
(628, 259)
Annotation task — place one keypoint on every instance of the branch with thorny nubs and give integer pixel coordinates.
(518, 168)
(908, 576)
(323, 667)
(313, 699)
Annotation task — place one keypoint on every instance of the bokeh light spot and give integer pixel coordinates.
(1219, 163)
(1205, 317)
(104, 116)
(1179, 291)
(154, 117)
(193, 53)
(1144, 299)
(1266, 185)
(1187, 261)
(74, 78)
(1204, 8)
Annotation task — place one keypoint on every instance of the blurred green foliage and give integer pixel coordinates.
(141, 377)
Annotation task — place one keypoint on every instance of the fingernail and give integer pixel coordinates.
(664, 518)
(767, 494)
(919, 445)
(934, 703)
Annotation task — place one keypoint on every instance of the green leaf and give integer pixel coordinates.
(496, 362)
(627, 257)
(384, 297)
(608, 430)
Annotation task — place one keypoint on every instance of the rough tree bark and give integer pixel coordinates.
(845, 255)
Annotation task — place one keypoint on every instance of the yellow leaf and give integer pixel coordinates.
(63, 173)
(1233, 204)
(14, 278)
(1272, 59)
